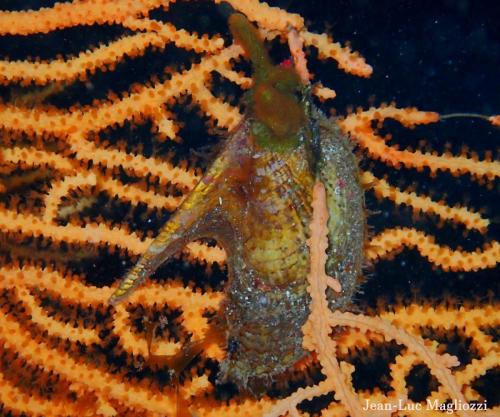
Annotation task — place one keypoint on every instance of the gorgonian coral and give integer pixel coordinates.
(88, 179)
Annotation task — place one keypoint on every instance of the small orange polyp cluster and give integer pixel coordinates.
(359, 125)
(449, 260)
(55, 340)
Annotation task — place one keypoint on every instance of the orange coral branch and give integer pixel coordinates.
(138, 105)
(81, 375)
(437, 364)
(359, 125)
(93, 233)
(266, 16)
(467, 217)
(296, 46)
(323, 93)
(193, 304)
(32, 157)
(442, 256)
(14, 399)
(63, 15)
(317, 328)
(350, 62)
(159, 35)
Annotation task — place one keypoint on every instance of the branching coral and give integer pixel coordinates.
(66, 352)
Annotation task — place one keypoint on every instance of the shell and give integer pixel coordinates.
(255, 200)
(267, 302)
(257, 204)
